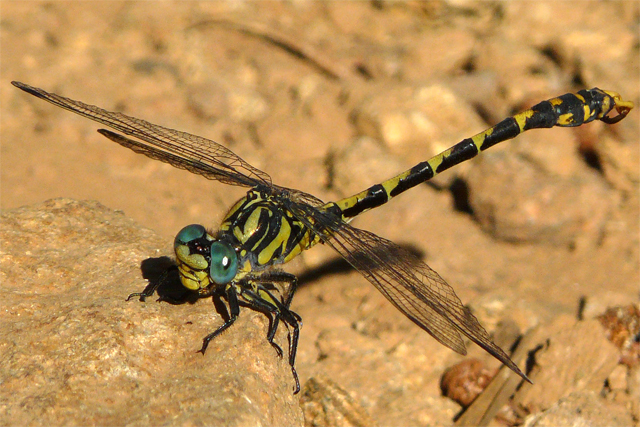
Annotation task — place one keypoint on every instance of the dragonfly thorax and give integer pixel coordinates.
(202, 259)
(257, 233)
(265, 231)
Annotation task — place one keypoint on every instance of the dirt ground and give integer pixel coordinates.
(330, 98)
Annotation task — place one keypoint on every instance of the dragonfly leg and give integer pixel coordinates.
(262, 300)
(282, 277)
(292, 319)
(234, 311)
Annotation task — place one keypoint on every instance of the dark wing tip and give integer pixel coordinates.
(39, 93)
(29, 89)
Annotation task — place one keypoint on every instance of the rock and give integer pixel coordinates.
(75, 352)
(325, 403)
(581, 409)
(515, 200)
(576, 359)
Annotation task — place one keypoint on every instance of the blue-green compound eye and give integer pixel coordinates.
(224, 263)
(189, 233)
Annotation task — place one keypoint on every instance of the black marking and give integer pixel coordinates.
(545, 116)
(418, 174)
(200, 246)
(241, 210)
(271, 232)
(463, 150)
(264, 227)
(506, 129)
(276, 254)
(332, 212)
(594, 99)
(571, 104)
(376, 196)
(298, 231)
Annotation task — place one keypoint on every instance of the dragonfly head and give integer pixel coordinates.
(203, 260)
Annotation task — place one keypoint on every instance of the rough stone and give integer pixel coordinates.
(74, 352)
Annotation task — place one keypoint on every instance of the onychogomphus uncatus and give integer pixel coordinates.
(271, 225)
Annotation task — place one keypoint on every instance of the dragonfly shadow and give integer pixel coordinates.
(162, 275)
(460, 192)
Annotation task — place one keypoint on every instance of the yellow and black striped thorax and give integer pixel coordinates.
(258, 232)
(265, 231)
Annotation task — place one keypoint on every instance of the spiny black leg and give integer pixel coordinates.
(296, 389)
(273, 343)
(292, 319)
(293, 285)
(256, 303)
(234, 311)
(263, 300)
(280, 276)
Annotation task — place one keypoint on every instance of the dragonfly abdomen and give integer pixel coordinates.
(566, 111)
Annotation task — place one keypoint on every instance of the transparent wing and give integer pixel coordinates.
(415, 289)
(407, 282)
(180, 149)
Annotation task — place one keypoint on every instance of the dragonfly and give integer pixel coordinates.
(271, 225)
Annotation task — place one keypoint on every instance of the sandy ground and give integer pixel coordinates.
(330, 98)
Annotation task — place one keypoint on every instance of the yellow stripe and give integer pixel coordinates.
(521, 118)
(280, 240)
(480, 138)
(435, 161)
(392, 183)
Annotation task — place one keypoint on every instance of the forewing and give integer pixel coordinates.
(180, 149)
